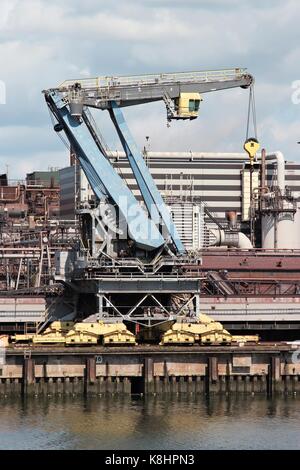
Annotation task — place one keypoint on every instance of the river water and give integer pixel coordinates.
(152, 423)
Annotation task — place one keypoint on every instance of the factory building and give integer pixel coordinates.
(218, 181)
(46, 178)
(36, 198)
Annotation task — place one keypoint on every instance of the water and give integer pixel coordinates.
(155, 423)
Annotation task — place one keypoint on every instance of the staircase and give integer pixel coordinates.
(170, 105)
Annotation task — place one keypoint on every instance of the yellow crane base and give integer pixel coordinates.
(106, 333)
(25, 338)
(204, 331)
(55, 333)
(68, 333)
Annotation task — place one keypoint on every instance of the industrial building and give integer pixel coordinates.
(36, 198)
(218, 181)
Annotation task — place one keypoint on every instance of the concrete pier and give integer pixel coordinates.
(149, 370)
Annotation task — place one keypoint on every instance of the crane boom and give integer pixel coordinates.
(100, 92)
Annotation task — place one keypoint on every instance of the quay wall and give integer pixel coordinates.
(157, 370)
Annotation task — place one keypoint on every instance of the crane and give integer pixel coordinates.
(149, 229)
(153, 228)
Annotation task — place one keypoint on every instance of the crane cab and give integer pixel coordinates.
(188, 105)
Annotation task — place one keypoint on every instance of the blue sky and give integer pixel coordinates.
(43, 43)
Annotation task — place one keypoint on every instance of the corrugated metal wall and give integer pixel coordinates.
(218, 184)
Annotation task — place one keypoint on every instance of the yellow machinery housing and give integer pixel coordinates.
(205, 331)
(188, 105)
(4, 341)
(68, 333)
(91, 333)
(55, 333)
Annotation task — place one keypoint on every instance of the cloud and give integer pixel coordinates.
(18, 166)
(43, 43)
(38, 17)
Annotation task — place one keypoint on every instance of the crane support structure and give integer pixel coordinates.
(151, 195)
(102, 177)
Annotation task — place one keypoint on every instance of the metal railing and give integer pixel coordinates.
(13, 183)
(247, 311)
(154, 79)
(253, 252)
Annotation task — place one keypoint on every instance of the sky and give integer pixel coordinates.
(43, 43)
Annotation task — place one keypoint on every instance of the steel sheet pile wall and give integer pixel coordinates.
(261, 369)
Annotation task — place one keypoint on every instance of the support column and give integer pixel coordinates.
(67, 386)
(148, 375)
(90, 376)
(197, 302)
(28, 376)
(100, 305)
(248, 384)
(166, 385)
(274, 375)
(212, 375)
(126, 386)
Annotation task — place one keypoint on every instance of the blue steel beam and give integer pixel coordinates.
(103, 178)
(151, 195)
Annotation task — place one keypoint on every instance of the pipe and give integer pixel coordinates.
(244, 242)
(191, 155)
(263, 169)
(231, 239)
(231, 217)
(278, 156)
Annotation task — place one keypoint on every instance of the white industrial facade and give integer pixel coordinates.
(219, 184)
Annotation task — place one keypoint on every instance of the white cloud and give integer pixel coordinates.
(37, 16)
(43, 43)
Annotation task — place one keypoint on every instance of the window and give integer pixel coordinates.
(191, 105)
(194, 105)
